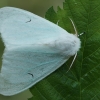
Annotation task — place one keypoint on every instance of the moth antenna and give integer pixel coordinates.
(72, 62)
(76, 33)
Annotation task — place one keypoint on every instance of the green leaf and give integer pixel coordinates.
(51, 15)
(82, 82)
(1, 50)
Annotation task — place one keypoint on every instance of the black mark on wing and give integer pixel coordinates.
(31, 74)
(28, 21)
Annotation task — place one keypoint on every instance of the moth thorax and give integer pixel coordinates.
(68, 45)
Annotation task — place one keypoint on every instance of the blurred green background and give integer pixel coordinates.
(38, 7)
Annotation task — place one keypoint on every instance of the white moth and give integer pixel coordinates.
(34, 48)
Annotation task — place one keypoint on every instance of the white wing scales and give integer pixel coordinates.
(16, 73)
(19, 29)
(32, 49)
(18, 66)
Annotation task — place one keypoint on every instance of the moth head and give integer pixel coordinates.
(72, 45)
(68, 45)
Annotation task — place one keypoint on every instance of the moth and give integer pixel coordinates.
(34, 48)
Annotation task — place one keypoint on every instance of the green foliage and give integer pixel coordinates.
(82, 82)
(1, 50)
(3, 3)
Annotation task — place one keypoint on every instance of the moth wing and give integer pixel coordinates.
(23, 68)
(28, 56)
(26, 27)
